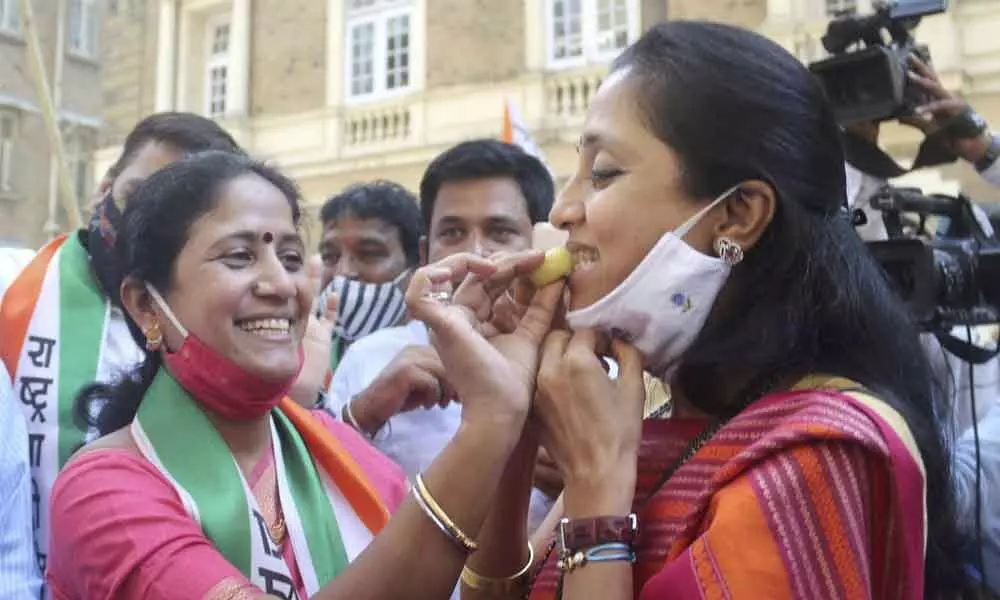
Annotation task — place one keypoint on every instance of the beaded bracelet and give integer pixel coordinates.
(613, 552)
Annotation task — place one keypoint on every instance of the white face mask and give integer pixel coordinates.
(662, 305)
(367, 307)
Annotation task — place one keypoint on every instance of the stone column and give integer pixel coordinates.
(166, 57)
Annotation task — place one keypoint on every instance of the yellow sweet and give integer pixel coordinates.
(558, 264)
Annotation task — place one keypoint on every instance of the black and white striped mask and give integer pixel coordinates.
(367, 307)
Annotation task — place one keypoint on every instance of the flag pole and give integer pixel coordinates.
(507, 133)
(37, 62)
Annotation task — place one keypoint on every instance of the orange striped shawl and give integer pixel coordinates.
(813, 493)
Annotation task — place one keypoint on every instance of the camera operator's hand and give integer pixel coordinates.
(943, 107)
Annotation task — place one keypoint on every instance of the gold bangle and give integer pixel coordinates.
(348, 416)
(500, 585)
(441, 518)
(431, 516)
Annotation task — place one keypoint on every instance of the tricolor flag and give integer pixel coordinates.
(515, 131)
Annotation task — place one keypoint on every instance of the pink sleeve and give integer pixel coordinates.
(385, 475)
(120, 531)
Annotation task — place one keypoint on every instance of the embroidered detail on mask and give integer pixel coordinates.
(681, 301)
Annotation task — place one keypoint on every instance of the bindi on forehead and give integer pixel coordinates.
(267, 238)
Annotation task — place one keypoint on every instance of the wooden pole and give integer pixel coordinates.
(52, 224)
(49, 116)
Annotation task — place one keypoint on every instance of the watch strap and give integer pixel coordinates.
(577, 534)
(965, 125)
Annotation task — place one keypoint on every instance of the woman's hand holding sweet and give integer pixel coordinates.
(492, 366)
(591, 424)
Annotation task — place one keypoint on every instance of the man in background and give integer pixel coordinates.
(19, 576)
(483, 197)
(370, 246)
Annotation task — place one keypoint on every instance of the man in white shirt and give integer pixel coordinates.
(12, 260)
(370, 247)
(482, 196)
(19, 575)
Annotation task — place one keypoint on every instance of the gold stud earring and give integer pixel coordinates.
(154, 337)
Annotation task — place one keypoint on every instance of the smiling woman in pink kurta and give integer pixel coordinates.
(124, 532)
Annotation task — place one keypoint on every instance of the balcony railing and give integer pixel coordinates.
(376, 126)
(567, 94)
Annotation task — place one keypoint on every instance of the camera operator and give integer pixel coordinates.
(966, 132)
(948, 121)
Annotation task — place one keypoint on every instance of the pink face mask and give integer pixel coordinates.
(215, 382)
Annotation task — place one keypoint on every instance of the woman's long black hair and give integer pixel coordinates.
(808, 298)
(154, 230)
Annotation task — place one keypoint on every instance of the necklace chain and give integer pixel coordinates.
(278, 529)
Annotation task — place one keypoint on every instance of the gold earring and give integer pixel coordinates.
(154, 337)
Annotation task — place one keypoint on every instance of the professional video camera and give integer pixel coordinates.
(870, 83)
(946, 277)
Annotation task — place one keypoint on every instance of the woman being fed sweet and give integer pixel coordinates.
(803, 459)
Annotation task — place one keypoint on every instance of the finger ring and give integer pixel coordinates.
(439, 296)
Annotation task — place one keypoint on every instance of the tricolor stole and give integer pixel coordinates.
(331, 510)
(54, 321)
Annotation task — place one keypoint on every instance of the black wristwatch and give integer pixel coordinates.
(966, 125)
(991, 155)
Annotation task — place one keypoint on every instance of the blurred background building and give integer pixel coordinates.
(339, 91)
(68, 31)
